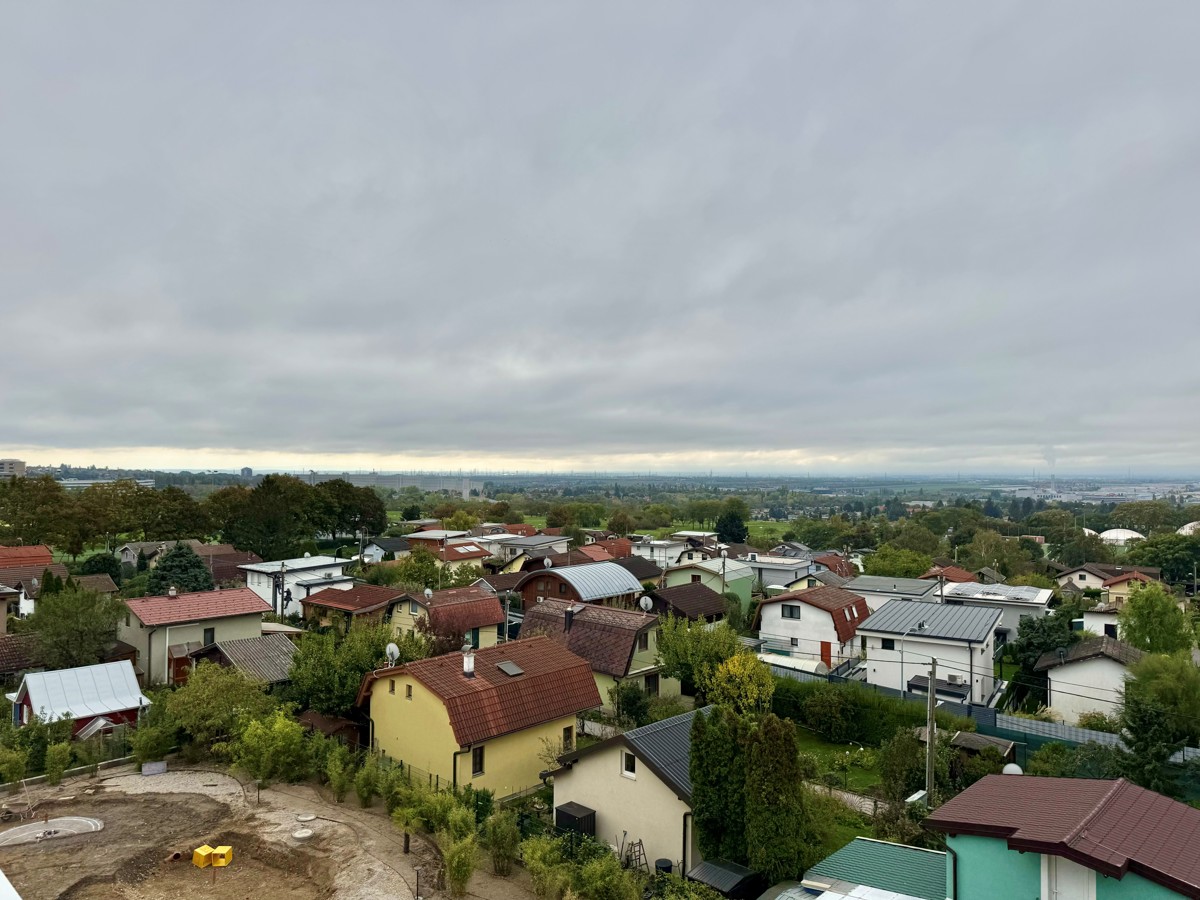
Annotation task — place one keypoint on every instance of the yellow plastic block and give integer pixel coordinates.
(222, 856)
(202, 856)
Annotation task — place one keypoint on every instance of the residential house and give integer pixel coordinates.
(379, 547)
(794, 549)
(535, 560)
(18, 655)
(619, 644)
(692, 553)
(361, 604)
(483, 717)
(474, 611)
(817, 623)
(1088, 676)
(165, 629)
(513, 551)
(96, 698)
(1119, 587)
(432, 539)
(1104, 617)
(1091, 576)
(722, 575)
(28, 555)
(696, 537)
(772, 571)
(693, 601)
(101, 584)
(458, 555)
(644, 570)
(152, 550)
(817, 579)
(617, 547)
(988, 575)
(604, 582)
(892, 871)
(1015, 602)
(662, 553)
(901, 638)
(879, 589)
(21, 585)
(1060, 838)
(284, 583)
(266, 658)
(838, 564)
(948, 574)
(632, 787)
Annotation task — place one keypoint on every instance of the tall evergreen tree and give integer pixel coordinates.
(778, 833)
(182, 569)
(718, 773)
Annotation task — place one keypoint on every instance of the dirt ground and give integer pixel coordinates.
(354, 853)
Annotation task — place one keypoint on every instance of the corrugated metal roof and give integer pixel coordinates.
(266, 658)
(596, 581)
(83, 692)
(881, 584)
(887, 866)
(953, 623)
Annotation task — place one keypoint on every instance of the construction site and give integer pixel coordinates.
(121, 834)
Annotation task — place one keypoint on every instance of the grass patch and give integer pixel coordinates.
(859, 780)
(1005, 669)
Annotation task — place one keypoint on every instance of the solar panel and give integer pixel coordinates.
(510, 668)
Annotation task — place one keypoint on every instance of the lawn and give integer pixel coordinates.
(859, 780)
(1005, 669)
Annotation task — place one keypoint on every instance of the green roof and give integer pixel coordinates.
(887, 866)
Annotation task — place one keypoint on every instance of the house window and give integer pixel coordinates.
(475, 638)
(408, 692)
(1110, 630)
(210, 636)
(628, 765)
(695, 579)
(644, 641)
(1082, 577)
(652, 685)
(477, 761)
(568, 739)
(391, 685)
(795, 642)
(541, 585)
(414, 608)
(126, 618)
(790, 611)
(888, 644)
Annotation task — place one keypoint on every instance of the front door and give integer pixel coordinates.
(827, 653)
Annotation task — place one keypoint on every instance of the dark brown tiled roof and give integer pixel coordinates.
(11, 576)
(837, 564)
(18, 652)
(603, 635)
(465, 607)
(224, 566)
(1105, 571)
(639, 567)
(504, 581)
(1128, 576)
(832, 600)
(521, 530)
(554, 683)
(579, 556)
(692, 600)
(617, 548)
(102, 583)
(1092, 648)
(1112, 827)
(359, 599)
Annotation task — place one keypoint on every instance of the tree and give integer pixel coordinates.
(630, 703)
(417, 571)
(328, 669)
(1037, 635)
(272, 520)
(181, 568)
(75, 628)
(916, 538)
(461, 521)
(620, 522)
(1175, 554)
(1151, 620)
(1149, 736)
(1172, 682)
(215, 704)
(689, 654)
(743, 682)
(102, 564)
(717, 767)
(559, 516)
(273, 749)
(176, 516)
(1082, 548)
(1145, 516)
(778, 833)
(892, 562)
(990, 548)
(731, 528)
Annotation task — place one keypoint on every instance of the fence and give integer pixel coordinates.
(435, 782)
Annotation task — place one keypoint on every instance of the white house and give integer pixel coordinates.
(879, 589)
(284, 583)
(816, 623)
(378, 547)
(1094, 575)
(769, 570)
(662, 553)
(902, 638)
(511, 546)
(632, 787)
(1088, 676)
(1015, 602)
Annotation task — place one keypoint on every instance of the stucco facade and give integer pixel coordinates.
(799, 630)
(406, 613)
(152, 642)
(894, 663)
(1086, 685)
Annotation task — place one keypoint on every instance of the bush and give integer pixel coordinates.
(58, 760)
(151, 743)
(543, 859)
(434, 808)
(1098, 721)
(604, 879)
(460, 823)
(460, 859)
(273, 748)
(339, 771)
(630, 703)
(366, 782)
(13, 764)
(665, 708)
(503, 840)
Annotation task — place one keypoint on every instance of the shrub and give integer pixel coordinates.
(1095, 720)
(503, 840)
(13, 765)
(460, 823)
(460, 859)
(339, 770)
(665, 708)
(273, 748)
(604, 879)
(543, 860)
(366, 781)
(58, 759)
(435, 808)
(151, 743)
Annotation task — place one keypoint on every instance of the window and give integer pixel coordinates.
(644, 641)
(477, 761)
(888, 644)
(210, 636)
(126, 618)
(408, 692)
(475, 638)
(562, 587)
(391, 685)
(568, 738)
(541, 585)
(1110, 630)
(628, 765)
(414, 608)
(695, 579)
(1082, 577)
(790, 611)
(652, 685)
(795, 642)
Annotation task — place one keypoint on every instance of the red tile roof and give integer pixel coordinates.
(459, 552)
(577, 556)
(1112, 827)
(11, 576)
(606, 636)
(1128, 576)
(552, 532)
(617, 548)
(361, 598)
(521, 530)
(554, 683)
(465, 607)
(832, 600)
(837, 564)
(191, 607)
(951, 574)
(32, 555)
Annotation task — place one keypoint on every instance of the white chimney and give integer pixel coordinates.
(468, 653)
(171, 592)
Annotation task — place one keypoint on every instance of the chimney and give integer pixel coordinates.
(172, 592)
(568, 618)
(468, 653)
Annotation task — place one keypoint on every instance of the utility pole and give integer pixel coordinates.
(931, 734)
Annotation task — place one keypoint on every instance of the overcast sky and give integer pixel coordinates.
(779, 236)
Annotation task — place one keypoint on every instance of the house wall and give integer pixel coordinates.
(738, 585)
(152, 643)
(261, 583)
(418, 732)
(1011, 614)
(1130, 887)
(876, 599)
(1091, 684)
(814, 627)
(954, 658)
(662, 553)
(643, 808)
(1095, 622)
(1082, 580)
(404, 620)
(988, 869)
(768, 574)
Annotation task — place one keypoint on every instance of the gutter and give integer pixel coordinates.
(454, 764)
(953, 871)
(683, 857)
(150, 655)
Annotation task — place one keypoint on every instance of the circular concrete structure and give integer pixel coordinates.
(36, 832)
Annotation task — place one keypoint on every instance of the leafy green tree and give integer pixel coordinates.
(176, 516)
(214, 706)
(893, 562)
(182, 568)
(272, 520)
(620, 522)
(915, 537)
(503, 840)
(75, 628)
(1082, 548)
(630, 703)
(691, 653)
(417, 571)
(1037, 635)
(731, 528)
(743, 682)
(411, 513)
(1149, 735)
(58, 758)
(143, 564)
(461, 521)
(778, 830)
(718, 773)
(102, 564)
(1151, 620)
(1145, 516)
(558, 516)
(461, 857)
(1172, 682)
(327, 669)
(272, 749)
(1175, 554)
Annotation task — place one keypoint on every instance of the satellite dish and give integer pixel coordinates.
(1011, 769)
(547, 562)
(646, 603)
(428, 593)
(307, 555)
(393, 653)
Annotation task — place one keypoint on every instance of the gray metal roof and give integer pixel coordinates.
(531, 542)
(952, 623)
(82, 692)
(595, 581)
(266, 658)
(666, 747)
(882, 584)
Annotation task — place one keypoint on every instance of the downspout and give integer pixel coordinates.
(683, 858)
(953, 872)
(150, 656)
(454, 763)
(971, 675)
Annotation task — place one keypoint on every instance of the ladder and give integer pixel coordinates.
(636, 855)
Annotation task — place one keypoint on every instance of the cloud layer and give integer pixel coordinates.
(651, 236)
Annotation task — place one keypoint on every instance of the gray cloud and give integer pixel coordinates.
(787, 235)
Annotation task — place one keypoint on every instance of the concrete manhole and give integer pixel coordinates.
(302, 834)
(36, 832)
(305, 817)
